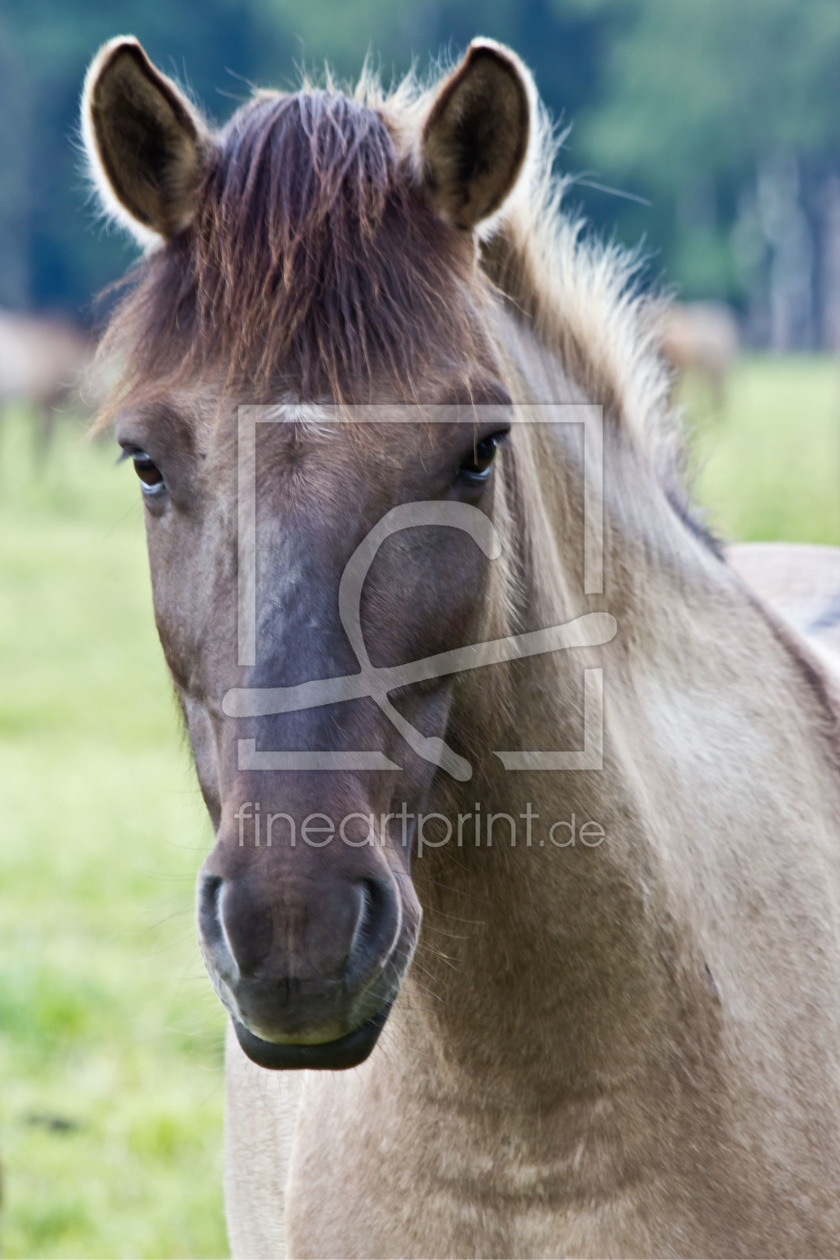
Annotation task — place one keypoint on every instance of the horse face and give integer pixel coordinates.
(307, 914)
(301, 245)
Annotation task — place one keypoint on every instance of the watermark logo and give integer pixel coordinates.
(589, 630)
(476, 829)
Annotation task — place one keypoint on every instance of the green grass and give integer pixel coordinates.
(769, 460)
(110, 1037)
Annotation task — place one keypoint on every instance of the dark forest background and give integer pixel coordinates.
(716, 122)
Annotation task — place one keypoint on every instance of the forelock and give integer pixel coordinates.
(311, 255)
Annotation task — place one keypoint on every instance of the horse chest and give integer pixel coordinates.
(369, 1180)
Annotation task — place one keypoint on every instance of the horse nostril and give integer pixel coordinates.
(235, 923)
(376, 926)
(209, 917)
(346, 936)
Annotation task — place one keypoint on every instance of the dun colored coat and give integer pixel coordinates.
(627, 1044)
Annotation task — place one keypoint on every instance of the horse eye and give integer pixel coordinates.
(150, 475)
(477, 465)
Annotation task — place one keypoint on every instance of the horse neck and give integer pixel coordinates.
(573, 967)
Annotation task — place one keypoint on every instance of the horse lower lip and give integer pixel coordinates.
(347, 1052)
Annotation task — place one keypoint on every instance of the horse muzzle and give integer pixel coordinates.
(308, 962)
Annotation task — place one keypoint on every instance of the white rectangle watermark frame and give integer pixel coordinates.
(590, 630)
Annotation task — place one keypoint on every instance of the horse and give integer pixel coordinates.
(702, 337)
(524, 899)
(43, 362)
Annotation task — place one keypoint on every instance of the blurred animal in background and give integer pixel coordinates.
(702, 338)
(43, 361)
(802, 582)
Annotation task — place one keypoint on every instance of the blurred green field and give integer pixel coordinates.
(768, 461)
(110, 1037)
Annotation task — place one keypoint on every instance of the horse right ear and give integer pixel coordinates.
(475, 139)
(146, 145)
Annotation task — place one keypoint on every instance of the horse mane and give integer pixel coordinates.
(580, 295)
(582, 300)
(353, 281)
(309, 251)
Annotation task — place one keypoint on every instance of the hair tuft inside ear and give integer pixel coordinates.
(476, 136)
(146, 145)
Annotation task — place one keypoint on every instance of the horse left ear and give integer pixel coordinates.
(476, 136)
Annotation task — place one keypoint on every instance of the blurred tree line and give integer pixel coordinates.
(709, 127)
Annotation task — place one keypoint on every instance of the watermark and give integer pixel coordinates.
(477, 828)
(587, 631)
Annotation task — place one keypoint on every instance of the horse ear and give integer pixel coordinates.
(146, 144)
(476, 135)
